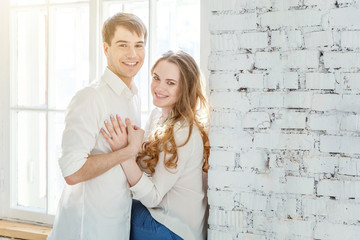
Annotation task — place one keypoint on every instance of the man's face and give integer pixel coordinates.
(126, 54)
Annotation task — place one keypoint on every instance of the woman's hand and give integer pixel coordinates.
(118, 135)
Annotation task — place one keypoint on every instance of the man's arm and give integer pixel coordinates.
(96, 165)
(82, 127)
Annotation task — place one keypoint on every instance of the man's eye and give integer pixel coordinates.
(139, 46)
(122, 45)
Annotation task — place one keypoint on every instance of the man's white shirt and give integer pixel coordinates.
(98, 208)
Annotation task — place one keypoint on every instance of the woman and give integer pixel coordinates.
(172, 202)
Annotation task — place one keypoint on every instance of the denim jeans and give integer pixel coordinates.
(145, 227)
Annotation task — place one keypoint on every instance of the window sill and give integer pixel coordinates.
(23, 231)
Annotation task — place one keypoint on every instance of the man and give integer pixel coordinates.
(96, 201)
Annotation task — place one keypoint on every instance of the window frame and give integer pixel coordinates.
(95, 59)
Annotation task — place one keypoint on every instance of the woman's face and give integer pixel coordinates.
(165, 85)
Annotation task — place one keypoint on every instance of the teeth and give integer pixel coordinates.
(130, 63)
(159, 95)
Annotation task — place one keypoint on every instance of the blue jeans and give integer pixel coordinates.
(144, 226)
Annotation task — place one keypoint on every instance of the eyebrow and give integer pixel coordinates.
(123, 41)
(167, 78)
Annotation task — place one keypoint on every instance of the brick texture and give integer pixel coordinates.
(285, 121)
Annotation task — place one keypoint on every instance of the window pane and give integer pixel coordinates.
(178, 27)
(30, 58)
(66, 1)
(29, 135)
(141, 9)
(56, 181)
(142, 78)
(26, 2)
(69, 53)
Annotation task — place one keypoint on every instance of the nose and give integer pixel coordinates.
(160, 86)
(131, 52)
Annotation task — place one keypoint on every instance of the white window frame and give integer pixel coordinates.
(96, 56)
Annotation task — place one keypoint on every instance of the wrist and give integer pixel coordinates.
(127, 162)
(133, 150)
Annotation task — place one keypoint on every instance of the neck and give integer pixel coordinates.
(165, 112)
(125, 80)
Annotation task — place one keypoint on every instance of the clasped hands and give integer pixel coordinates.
(121, 136)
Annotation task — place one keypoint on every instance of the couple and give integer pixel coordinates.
(106, 163)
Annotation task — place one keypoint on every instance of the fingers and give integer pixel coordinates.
(115, 124)
(121, 124)
(128, 124)
(110, 128)
(106, 136)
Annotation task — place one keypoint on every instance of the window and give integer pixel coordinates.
(53, 48)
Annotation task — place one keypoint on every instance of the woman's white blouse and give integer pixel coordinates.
(176, 197)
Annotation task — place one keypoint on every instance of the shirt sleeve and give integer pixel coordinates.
(150, 191)
(82, 125)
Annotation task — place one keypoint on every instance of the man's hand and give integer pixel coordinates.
(135, 136)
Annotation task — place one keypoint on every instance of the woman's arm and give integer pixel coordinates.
(134, 136)
(132, 171)
(151, 191)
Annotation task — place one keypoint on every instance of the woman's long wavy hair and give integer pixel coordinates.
(190, 109)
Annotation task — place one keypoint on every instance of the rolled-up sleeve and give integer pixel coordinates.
(82, 125)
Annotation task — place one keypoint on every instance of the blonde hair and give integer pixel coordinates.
(129, 21)
(191, 108)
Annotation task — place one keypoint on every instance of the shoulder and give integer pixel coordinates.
(155, 115)
(92, 94)
(182, 131)
(85, 100)
(89, 92)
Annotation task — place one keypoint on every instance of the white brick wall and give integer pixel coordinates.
(285, 123)
(318, 39)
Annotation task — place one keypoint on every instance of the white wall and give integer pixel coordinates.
(285, 126)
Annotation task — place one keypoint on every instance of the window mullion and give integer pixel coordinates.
(152, 39)
(204, 38)
(47, 37)
(94, 58)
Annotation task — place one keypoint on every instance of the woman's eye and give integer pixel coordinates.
(156, 78)
(171, 83)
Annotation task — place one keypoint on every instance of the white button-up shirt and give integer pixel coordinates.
(99, 208)
(176, 197)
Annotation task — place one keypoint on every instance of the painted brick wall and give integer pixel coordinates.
(285, 125)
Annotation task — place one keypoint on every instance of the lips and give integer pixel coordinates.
(130, 64)
(160, 96)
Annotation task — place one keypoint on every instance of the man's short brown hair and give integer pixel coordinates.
(127, 20)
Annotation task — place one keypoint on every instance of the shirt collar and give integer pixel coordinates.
(117, 85)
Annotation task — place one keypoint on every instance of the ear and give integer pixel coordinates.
(106, 48)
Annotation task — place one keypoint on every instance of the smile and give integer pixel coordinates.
(160, 96)
(130, 63)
